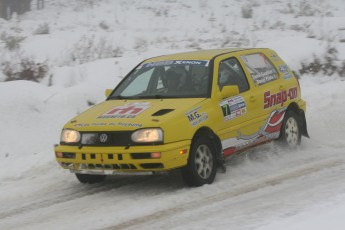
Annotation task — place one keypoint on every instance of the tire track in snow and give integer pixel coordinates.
(83, 190)
(204, 201)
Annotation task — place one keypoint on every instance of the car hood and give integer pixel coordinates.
(131, 114)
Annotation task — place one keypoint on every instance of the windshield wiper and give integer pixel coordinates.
(159, 96)
(156, 96)
(118, 97)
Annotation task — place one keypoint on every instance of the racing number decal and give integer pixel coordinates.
(233, 107)
(226, 110)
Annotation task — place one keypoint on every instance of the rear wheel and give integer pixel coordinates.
(202, 164)
(90, 179)
(291, 130)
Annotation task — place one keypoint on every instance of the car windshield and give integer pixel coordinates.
(166, 79)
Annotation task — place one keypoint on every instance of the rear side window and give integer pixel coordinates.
(260, 68)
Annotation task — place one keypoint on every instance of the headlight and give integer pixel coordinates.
(70, 136)
(147, 135)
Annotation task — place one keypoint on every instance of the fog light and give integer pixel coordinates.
(58, 154)
(156, 155)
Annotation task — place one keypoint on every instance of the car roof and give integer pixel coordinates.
(195, 55)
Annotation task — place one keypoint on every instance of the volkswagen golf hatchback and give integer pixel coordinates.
(188, 111)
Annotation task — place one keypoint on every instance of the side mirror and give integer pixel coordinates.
(108, 92)
(229, 91)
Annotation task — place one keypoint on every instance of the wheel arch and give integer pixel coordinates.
(208, 132)
(301, 115)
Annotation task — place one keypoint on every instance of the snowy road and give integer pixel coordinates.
(248, 205)
(263, 185)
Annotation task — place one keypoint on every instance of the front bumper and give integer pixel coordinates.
(119, 160)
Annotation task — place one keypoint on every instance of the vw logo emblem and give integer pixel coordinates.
(103, 138)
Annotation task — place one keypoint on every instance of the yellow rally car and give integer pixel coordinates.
(189, 111)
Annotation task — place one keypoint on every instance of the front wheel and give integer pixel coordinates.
(291, 130)
(90, 179)
(202, 164)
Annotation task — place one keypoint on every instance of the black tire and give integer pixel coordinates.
(291, 130)
(90, 179)
(202, 163)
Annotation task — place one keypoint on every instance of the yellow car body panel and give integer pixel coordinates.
(240, 121)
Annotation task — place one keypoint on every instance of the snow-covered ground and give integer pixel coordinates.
(267, 188)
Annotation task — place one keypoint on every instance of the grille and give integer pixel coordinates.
(115, 138)
(122, 138)
(141, 155)
(107, 166)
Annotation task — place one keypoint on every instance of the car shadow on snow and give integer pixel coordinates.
(172, 181)
(163, 182)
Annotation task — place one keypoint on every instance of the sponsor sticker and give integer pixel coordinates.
(174, 62)
(260, 68)
(82, 125)
(264, 76)
(270, 130)
(130, 110)
(279, 98)
(233, 107)
(122, 124)
(195, 117)
(284, 69)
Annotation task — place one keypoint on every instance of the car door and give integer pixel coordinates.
(238, 123)
(266, 82)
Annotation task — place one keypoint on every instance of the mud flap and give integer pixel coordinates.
(221, 167)
(303, 123)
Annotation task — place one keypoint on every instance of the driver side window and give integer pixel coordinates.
(231, 73)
